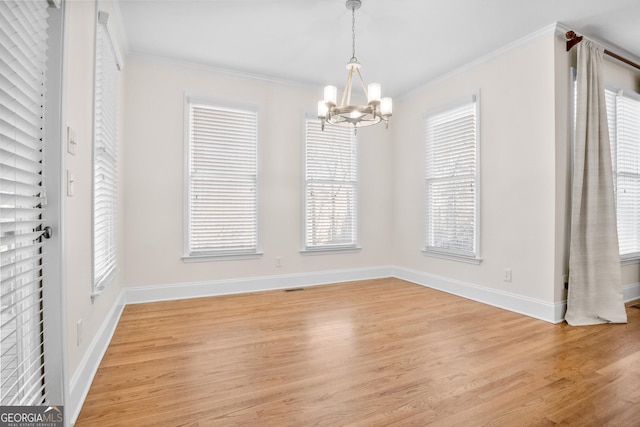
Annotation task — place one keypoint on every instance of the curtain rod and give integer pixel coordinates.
(573, 39)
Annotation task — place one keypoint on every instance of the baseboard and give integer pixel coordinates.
(142, 294)
(543, 310)
(631, 292)
(82, 379)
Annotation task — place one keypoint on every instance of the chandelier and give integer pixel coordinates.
(346, 114)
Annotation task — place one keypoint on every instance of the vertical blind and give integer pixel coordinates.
(23, 42)
(331, 187)
(105, 180)
(223, 173)
(623, 113)
(451, 180)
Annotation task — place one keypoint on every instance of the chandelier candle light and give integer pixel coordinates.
(376, 110)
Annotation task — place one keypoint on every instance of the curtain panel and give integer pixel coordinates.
(595, 284)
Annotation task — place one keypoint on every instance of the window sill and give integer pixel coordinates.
(104, 284)
(329, 251)
(452, 257)
(221, 257)
(630, 260)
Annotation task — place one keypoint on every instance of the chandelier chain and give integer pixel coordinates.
(353, 35)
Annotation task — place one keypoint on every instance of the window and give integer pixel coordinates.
(222, 181)
(23, 61)
(330, 187)
(105, 158)
(623, 114)
(452, 181)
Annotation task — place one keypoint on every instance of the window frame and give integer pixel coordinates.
(616, 93)
(102, 278)
(217, 255)
(354, 246)
(443, 253)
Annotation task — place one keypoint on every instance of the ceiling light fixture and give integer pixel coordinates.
(375, 111)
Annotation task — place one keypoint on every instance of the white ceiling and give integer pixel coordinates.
(400, 43)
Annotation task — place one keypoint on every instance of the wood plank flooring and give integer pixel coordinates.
(371, 353)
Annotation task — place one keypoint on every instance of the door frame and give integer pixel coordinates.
(54, 290)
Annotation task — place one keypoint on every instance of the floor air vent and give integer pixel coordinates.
(294, 290)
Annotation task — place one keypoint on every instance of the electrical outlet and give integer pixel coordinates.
(278, 261)
(507, 275)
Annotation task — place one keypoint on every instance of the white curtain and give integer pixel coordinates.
(595, 285)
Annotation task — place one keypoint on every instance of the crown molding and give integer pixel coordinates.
(208, 68)
(546, 31)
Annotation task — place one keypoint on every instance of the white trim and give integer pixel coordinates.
(55, 295)
(561, 29)
(451, 256)
(81, 381)
(331, 251)
(543, 310)
(212, 69)
(306, 247)
(221, 257)
(475, 257)
(631, 292)
(101, 18)
(629, 260)
(218, 104)
(142, 294)
(546, 31)
(86, 371)
(62, 210)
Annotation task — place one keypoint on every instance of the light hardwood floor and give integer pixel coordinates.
(371, 353)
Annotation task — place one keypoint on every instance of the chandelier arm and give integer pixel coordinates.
(350, 87)
(347, 89)
(364, 88)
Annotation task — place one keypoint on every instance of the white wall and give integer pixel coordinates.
(517, 150)
(563, 112)
(154, 149)
(78, 84)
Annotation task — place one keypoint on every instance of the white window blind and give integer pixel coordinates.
(451, 187)
(23, 42)
(105, 180)
(330, 188)
(222, 181)
(623, 113)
